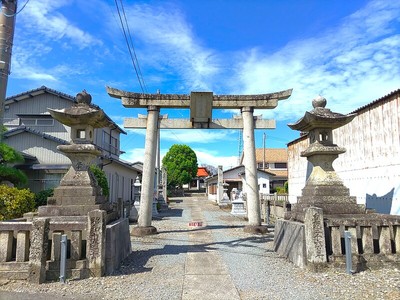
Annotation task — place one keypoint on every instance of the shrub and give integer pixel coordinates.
(41, 197)
(280, 190)
(286, 186)
(15, 202)
(101, 179)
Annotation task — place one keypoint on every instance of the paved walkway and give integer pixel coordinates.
(216, 260)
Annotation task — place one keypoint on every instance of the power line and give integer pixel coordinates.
(12, 15)
(129, 43)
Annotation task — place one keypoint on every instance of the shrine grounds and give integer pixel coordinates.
(217, 260)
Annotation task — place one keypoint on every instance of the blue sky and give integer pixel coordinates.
(346, 51)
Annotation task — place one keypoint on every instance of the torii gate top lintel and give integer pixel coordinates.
(139, 100)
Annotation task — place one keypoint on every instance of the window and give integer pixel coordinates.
(29, 122)
(45, 122)
(39, 121)
(280, 165)
(261, 165)
(110, 143)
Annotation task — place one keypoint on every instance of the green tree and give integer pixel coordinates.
(180, 163)
(9, 156)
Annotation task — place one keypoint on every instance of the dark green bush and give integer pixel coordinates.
(15, 202)
(41, 197)
(15, 176)
(101, 179)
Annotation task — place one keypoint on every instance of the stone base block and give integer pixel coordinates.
(290, 241)
(256, 229)
(118, 244)
(239, 208)
(70, 274)
(14, 270)
(143, 231)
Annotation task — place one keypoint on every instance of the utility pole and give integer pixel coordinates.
(7, 24)
(264, 138)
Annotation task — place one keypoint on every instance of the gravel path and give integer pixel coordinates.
(156, 267)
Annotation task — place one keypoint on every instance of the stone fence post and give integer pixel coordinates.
(96, 242)
(315, 238)
(39, 249)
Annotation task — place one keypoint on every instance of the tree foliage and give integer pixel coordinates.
(15, 202)
(180, 163)
(101, 179)
(9, 156)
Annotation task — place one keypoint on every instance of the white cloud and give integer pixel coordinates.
(44, 18)
(133, 155)
(43, 38)
(214, 158)
(172, 46)
(350, 65)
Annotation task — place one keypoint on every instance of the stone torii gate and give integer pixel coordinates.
(201, 105)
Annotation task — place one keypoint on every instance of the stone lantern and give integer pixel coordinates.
(324, 188)
(78, 192)
(137, 191)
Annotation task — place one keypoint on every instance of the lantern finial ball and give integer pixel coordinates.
(319, 101)
(83, 98)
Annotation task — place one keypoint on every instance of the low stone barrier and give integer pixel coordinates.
(319, 241)
(31, 250)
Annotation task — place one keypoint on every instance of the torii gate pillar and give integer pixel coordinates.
(250, 167)
(146, 199)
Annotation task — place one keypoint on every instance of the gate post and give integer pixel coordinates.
(149, 163)
(250, 165)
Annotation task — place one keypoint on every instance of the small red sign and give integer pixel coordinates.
(196, 224)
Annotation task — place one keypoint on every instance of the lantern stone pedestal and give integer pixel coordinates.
(78, 193)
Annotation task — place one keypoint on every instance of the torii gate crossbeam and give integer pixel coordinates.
(201, 105)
